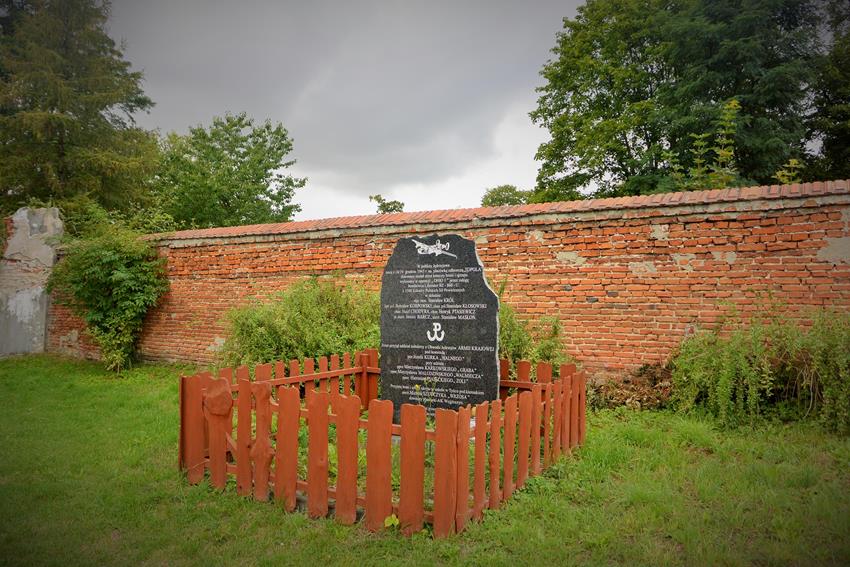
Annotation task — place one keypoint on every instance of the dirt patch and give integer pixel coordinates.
(648, 387)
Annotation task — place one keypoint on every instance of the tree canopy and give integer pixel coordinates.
(387, 206)
(504, 195)
(633, 84)
(67, 99)
(231, 173)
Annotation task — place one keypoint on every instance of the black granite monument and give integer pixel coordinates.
(439, 325)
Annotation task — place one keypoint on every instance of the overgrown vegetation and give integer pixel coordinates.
(541, 342)
(742, 371)
(110, 279)
(320, 317)
(313, 317)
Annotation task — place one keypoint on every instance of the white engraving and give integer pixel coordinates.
(437, 334)
(437, 249)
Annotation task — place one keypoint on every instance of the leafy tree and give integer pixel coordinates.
(599, 101)
(759, 52)
(67, 99)
(831, 120)
(633, 81)
(229, 174)
(385, 206)
(11, 12)
(504, 195)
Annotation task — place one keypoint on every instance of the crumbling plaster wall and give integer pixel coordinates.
(28, 257)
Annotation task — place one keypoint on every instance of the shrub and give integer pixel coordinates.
(322, 317)
(542, 344)
(742, 372)
(311, 318)
(110, 279)
(514, 338)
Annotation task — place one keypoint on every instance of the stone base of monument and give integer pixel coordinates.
(328, 402)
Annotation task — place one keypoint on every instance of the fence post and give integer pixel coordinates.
(373, 377)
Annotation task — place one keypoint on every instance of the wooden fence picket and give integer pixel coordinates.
(462, 498)
(557, 411)
(495, 452)
(509, 436)
(317, 454)
(334, 383)
(536, 401)
(379, 491)
(323, 385)
(524, 443)
(286, 457)
(411, 506)
(547, 424)
(445, 472)
(347, 426)
(479, 496)
(218, 404)
(582, 408)
(566, 412)
(261, 448)
(372, 377)
(243, 433)
(346, 380)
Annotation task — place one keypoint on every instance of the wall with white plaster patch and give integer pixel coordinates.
(27, 260)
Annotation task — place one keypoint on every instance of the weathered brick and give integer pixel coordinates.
(623, 302)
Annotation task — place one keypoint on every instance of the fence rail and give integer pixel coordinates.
(472, 459)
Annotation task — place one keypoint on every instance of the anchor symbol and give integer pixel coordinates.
(437, 334)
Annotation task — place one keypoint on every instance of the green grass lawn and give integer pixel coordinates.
(88, 476)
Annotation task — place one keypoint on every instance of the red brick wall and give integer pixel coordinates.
(629, 278)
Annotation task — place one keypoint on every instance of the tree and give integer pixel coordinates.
(67, 99)
(231, 173)
(831, 121)
(599, 102)
(385, 206)
(633, 81)
(504, 195)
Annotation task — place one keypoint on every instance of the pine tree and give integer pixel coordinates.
(67, 99)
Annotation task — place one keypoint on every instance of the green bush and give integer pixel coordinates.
(311, 318)
(110, 279)
(543, 343)
(323, 317)
(742, 372)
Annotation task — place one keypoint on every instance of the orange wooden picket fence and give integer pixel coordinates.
(481, 454)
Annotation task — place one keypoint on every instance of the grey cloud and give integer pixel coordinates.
(379, 93)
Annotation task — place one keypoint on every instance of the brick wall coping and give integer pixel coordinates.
(662, 200)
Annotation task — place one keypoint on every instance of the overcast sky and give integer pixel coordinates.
(425, 102)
